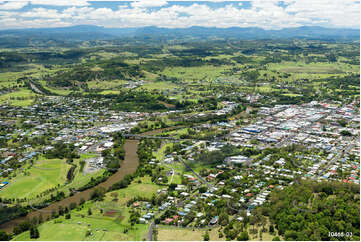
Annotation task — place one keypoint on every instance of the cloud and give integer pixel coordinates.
(60, 2)
(268, 14)
(148, 3)
(13, 5)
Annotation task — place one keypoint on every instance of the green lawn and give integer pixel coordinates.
(80, 178)
(105, 84)
(171, 233)
(110, 92)
(196, 73)
(45, 174)
(59, 91)
(145, 189)
(70, 230)
(21, 97)
(76, 227)
(159, 155)
(159, 85)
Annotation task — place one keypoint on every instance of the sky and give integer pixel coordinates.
(266, 14)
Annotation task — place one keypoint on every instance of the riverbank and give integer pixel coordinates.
(129, 166)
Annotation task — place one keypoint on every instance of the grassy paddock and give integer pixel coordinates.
(45, 174)
(102, 227)
(172, 234)
(20, 97)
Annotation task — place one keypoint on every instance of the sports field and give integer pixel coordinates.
(107, 225)
(43, 175)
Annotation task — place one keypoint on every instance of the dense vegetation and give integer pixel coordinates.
(310, 210)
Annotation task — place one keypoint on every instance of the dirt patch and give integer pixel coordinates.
(311, 70)
(168, 105)
(111, 213)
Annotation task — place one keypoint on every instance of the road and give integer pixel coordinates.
(35, 89)
(171, 179)
(150, 233)
(337, 157)
(195, 173)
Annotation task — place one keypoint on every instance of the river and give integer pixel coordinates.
(129, 166)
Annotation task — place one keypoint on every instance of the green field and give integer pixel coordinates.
(20, 97)
(145, 189)
(206, 72)
(169, 233)
(70, 230)
(76, 227)
(313, 68)
(159, 85)
(45, 174)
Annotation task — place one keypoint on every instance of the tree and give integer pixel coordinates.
(54, 214)
(271, 228)
(276, 238)
(67, 216)
(342, 122)
(345, 133)
(260, 234)
(290, 235)
(34, 233)
(202, 189)
(206, 236)
(61, 211)
(243, 236)
(331, 57)
(171, 187)
(114, 195)
(89, 212)
(223, 219)
(98, 194)
(4, 236)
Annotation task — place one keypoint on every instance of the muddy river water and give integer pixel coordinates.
(129, 166)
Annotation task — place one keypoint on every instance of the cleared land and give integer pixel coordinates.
(168, 233)
(107, 225)
(45, 174)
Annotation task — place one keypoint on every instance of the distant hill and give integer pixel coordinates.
(90, 32)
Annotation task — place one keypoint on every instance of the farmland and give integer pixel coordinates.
(179, 79)
(180, 139)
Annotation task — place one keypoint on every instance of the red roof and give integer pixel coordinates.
(271, 186)
(136, 204)
(249, 194)
(168, 220)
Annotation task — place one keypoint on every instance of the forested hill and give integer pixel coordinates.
(26, 37)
